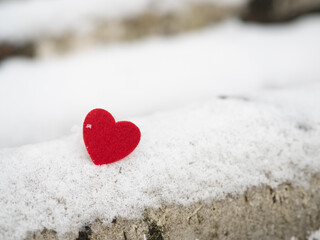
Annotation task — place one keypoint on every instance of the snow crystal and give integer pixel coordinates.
(315, 235)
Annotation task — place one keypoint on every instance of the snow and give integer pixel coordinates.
(220, 111)
(315, 235)
(233, 143)
(27, 20)
(42, 99)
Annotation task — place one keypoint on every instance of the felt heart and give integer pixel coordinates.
(108, 141)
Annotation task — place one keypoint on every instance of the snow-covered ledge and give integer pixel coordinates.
(22, 21)
(284, 212)
(43, 28)
(229, 146)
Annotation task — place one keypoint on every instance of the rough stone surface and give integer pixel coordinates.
(279, 10)
(260, 213)
(10, 50)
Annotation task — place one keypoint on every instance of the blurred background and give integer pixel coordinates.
(61, 58)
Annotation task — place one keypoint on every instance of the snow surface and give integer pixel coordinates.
(43, 99)
(234, 144)
(195, 145)
(26, 20)
(315, 235)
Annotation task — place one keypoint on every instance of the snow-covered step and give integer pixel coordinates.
(285, 212)
(53, 27)
(201, 153)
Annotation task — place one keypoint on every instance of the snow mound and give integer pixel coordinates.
(235, 143)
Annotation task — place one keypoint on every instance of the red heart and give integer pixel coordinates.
(108, 141)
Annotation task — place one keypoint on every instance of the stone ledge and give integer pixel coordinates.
(273, 11)
(260, 213)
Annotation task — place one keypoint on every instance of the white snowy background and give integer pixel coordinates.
(220, 109)
(30, 19)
